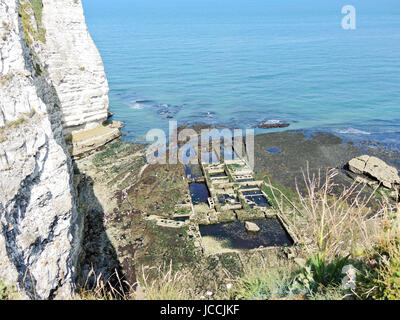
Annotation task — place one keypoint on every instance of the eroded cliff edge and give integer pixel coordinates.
(52, 84)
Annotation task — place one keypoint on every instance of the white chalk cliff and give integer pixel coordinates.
(74, 65)
(52, 82)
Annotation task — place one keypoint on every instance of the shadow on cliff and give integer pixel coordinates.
(99, 259)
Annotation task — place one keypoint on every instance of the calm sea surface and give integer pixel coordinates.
(239, 62)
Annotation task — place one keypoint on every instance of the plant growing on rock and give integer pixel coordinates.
(31, 16)
(7, 292)
(98, 288)
(268, 279)
(379, 277)
(318, 273)
(331, 227)
(169, 285)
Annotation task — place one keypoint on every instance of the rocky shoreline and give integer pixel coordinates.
(118, 193)
(78, 205)
(320, 151)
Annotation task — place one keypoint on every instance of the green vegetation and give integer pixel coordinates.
(182, 211)
(15, 123)
(108, 154)
(337, 230)
(228, 173)
(379, 276)
(264, 281)
(36, 31)
(37, 7)
(249, 214)
(7, 292)
(113, 160)
(12, 124)
(167, 245)
(345, 248)
(284, 197)
(38, 70)
(169, 285)
(318, 273)
(234, 167)
(226, 216)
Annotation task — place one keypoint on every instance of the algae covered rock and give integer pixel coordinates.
(250, 214)
(226, 216)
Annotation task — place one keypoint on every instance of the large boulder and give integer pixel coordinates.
(376, 169)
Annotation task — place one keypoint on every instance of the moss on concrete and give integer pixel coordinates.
(274, 195)
(214, 245)
(226, 216)
(166, 246)
(250, 214)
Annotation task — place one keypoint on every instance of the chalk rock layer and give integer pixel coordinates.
(52, 82)
(74, 66)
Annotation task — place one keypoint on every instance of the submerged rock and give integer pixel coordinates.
(273, 124)
(376, 169)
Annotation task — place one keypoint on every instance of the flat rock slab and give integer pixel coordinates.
(375, 168)
(84, 142)
(252, 227)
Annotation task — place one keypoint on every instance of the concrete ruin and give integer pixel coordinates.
(234, 195)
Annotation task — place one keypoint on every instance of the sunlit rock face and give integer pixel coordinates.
(52, 82)
(74, 65)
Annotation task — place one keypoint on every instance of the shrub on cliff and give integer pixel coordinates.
(335, 228)
(379, 277)
(7, 292)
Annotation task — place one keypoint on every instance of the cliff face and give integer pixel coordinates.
(74, 65)
(51, 80)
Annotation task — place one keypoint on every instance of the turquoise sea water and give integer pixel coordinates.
(239, 62)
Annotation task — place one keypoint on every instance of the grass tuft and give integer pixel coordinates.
(7, 292)
(33, 28)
